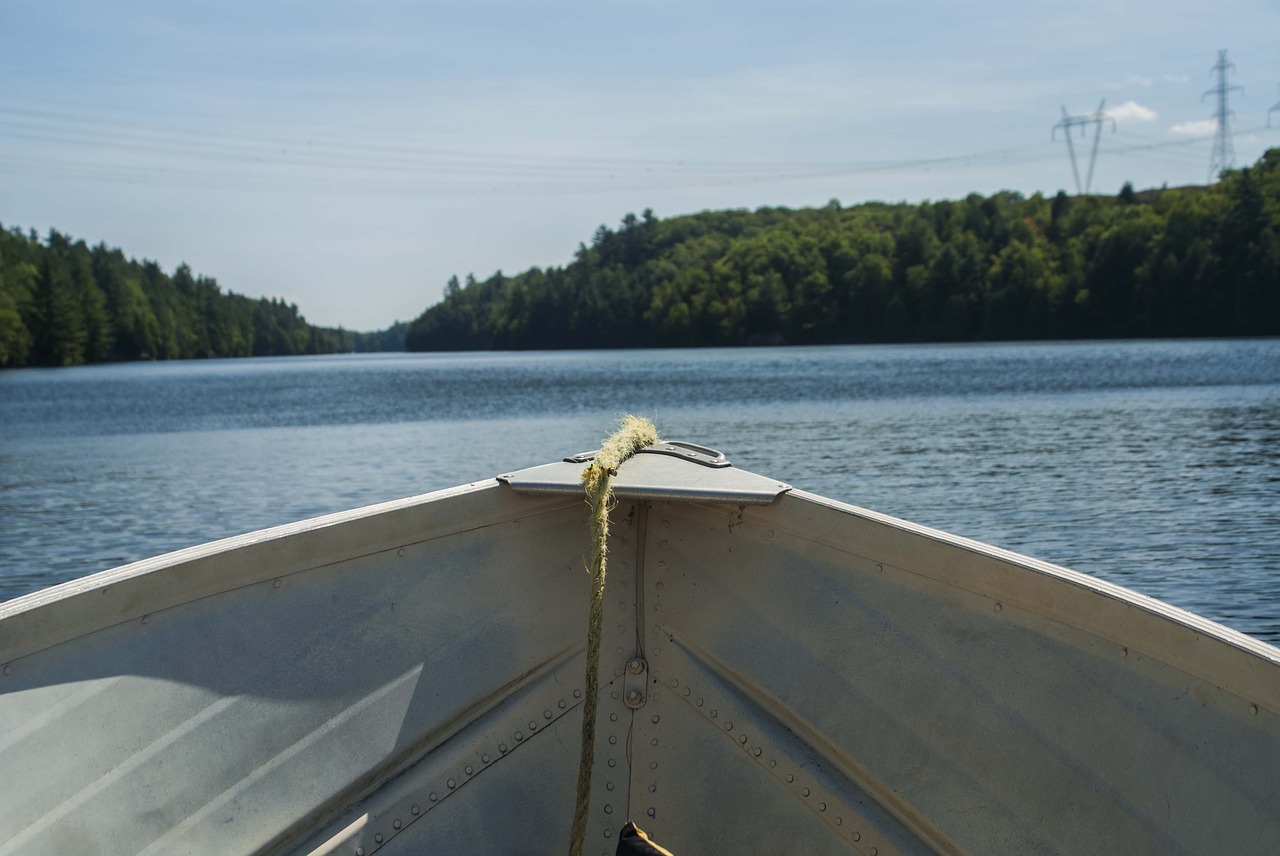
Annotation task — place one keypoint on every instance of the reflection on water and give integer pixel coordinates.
(1152, 464)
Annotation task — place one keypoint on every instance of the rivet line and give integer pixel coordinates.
(756, 750)
(415, 811)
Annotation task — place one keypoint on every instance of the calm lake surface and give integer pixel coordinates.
(1155, 465)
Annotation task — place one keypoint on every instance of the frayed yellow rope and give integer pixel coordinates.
(633, 434)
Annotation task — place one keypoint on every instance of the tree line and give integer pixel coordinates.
(1196, 261)
(63, 303)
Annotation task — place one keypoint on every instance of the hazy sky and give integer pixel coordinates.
(351, 156)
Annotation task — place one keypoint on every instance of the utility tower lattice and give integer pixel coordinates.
(1098, 118)
(1224, 153)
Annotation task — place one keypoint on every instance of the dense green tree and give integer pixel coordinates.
(58, 329)
(62, 303)
(1186, 262)
(15, 308)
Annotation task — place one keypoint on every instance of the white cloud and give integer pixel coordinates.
(1195, 128)
(1131, 110)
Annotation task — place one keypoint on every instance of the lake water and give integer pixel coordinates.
(1152, 464)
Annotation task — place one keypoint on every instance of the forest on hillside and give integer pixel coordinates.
(63, 303)
(1199, 261)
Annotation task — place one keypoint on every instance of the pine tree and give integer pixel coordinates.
(59, 334)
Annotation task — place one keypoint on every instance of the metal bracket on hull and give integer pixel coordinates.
(670, 470)
(693, 452)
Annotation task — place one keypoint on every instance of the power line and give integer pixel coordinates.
(1097, 118)
(1224, 155)
(67, 147)
(1272, 110)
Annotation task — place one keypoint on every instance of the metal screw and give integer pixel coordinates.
(633, 697)
(395, 824)
(275, 584)
(415, 810)
(378, 838)
(635, 666)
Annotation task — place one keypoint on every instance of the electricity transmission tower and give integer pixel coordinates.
(1224, 154)
(1098, 118)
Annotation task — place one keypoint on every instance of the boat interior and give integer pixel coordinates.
(779, 673)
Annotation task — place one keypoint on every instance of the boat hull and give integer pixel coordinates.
(807, 675)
